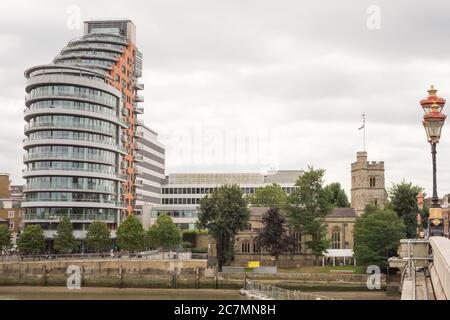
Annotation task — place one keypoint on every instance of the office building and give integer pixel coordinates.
(82, 131)
(182, 192)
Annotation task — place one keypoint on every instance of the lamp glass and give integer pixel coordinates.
(434, 128)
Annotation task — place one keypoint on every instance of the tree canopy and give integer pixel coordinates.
(5, 238)
(224, 213)
(64, 241)
(307, 207)
(131, 235)
(32, 240)
(272, 196)
(338, 197)
(377, 235)
(403, 200)
(98, 236)
(273, 236)
(164, 233)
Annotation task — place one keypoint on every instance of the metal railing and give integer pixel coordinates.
(74, 186)
(66, 93)
(149, 255)
(266, 291)
(70, 125)
(78, 217)
(61, 155)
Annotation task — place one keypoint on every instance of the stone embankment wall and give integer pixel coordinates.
(298, 281)
(107, 273)
(164, 274)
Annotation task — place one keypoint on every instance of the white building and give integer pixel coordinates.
(182, 192)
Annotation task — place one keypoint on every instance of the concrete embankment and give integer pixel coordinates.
(164, 274)
(109, 273)
(302, 281)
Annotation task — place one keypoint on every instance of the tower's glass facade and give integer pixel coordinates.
(80, 131)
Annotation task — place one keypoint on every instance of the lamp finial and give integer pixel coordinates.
(432, 91)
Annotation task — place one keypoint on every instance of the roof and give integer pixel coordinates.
(3, 220)
(258, 211)
(343, 212)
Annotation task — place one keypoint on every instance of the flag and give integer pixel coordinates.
(364, 121)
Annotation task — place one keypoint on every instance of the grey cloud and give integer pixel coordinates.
(303, 70)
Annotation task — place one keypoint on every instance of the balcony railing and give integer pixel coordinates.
(75, 186)
(72, 217)
(60, 155)
(62, 93)
(70, 124)
(139, 98)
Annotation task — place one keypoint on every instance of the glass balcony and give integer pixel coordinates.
(67, 93)
(75, 156)
(106, 141)
(70, 125)
(103, 111)
(73, 186)
(72, 217)
(111, 172)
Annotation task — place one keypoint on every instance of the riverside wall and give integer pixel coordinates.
(164, 274)
(107, 273)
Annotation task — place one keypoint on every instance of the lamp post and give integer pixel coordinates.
(420, 233)
(433, 121)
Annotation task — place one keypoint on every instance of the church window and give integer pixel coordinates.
(245, 247)
(336, 238)
(372, 182)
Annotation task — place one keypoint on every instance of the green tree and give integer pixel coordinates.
(377, 235)
(98, 236)
(131, 235)
(273, 235)
(164, 233)
(338, 198)
(151, 239)
(32, 240)
(224, 213)
(307, 207)
(64, 241)
(5, 239)
(272, 196)
(403, 200)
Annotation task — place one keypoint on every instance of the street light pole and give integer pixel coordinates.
(433, 121)
(435, 198)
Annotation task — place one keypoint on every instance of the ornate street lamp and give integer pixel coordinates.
(433, 121)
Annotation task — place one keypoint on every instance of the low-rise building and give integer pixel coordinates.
(10, 207)
(182, 192)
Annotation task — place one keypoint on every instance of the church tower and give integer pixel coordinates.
(368, 184)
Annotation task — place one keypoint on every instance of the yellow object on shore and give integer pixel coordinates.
(253, 264)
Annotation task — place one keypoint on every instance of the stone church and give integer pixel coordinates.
(367, 187)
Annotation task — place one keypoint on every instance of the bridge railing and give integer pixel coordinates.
(266, 291)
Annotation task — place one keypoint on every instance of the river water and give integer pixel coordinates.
(62, 293)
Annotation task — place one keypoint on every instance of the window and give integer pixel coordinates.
(10, 214)
(336, 238)
(11, 225)
(245, 247)
(372, 182)
(256, 247)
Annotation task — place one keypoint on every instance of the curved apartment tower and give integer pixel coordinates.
(81, 118)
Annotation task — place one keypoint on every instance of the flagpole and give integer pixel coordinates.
(364, 124)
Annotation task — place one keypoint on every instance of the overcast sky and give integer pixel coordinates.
(245, 86)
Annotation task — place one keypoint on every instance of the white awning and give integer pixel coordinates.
(338, 253)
